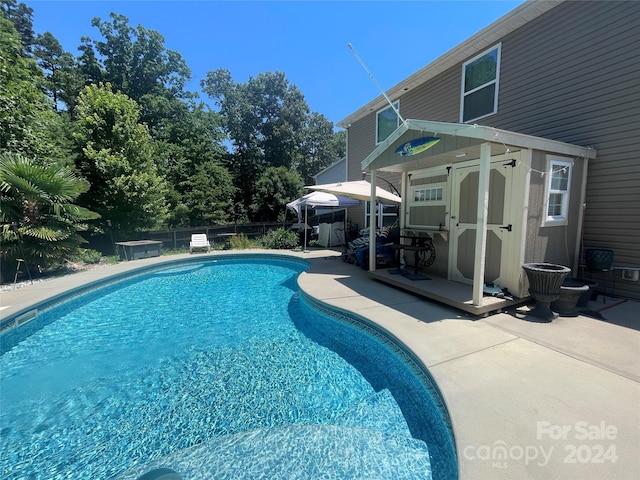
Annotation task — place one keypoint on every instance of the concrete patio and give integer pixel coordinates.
(527, 400)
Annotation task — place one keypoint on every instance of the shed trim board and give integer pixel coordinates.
(463, 143)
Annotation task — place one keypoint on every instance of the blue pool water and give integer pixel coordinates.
(198, 362)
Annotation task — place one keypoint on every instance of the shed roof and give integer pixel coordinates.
(458, 142)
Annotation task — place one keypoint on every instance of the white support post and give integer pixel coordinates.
(304, 250)
(402, 209)
(372, 222)
(481, 224)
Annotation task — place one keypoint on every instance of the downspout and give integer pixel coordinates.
(346, 157)
(481, 224)
(583, 207)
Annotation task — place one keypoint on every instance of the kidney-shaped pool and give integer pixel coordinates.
(215, 369)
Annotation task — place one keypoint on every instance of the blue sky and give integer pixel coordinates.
(306, 40)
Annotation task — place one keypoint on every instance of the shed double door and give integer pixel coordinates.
(503, 225)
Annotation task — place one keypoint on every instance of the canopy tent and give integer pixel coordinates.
(319, 200)
(359, 189)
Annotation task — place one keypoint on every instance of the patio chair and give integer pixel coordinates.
(199, 240)
(360, 249)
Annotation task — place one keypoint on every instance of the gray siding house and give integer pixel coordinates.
(540, 110)
(334, 173)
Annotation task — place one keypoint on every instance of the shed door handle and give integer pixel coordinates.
(508, 228)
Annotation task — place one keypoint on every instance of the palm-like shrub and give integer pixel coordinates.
(38, 219)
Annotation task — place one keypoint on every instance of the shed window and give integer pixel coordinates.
(558, 185)
(480, 85)
(430, 194)
(386, 122)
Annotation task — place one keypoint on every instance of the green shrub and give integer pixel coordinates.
(86, 255)
(240, 242)
(280, 239)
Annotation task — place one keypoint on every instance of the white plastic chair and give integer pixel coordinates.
(199, 240)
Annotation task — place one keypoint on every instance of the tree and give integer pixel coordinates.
(116, 154)
(189, 140)
(135, 60)
(39, 221)
(189, 134)
(21, 16)
(88, 63)
(28, 123)
(265, 121)
(63, 80)
(276, 187)
(208, 195)
(320, 147)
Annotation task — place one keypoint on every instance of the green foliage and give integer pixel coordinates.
(276, 187)
(208, 195)
(135, 60)
(174, 251)
(21, 16)
(269, 125)
(63, 80)
(188, 135)
(320, 146)
(26, 115)
(116, 154)
(86, 255)
(280, 239)
(241, 242)
(152, 152)
(39, 221)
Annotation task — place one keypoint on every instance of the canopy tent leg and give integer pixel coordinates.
(306, 218)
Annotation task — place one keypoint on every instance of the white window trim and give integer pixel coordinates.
(380, 214)
(446, 192)
(496, 82)
(553, 164)
(413, 202)
(396, 104)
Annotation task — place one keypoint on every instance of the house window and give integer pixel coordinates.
(480, 85)
(558, 184)
(386, 215)
(386, 122)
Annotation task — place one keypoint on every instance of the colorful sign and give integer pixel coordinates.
(416, 146)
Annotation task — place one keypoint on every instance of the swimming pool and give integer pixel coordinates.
(199, 357)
